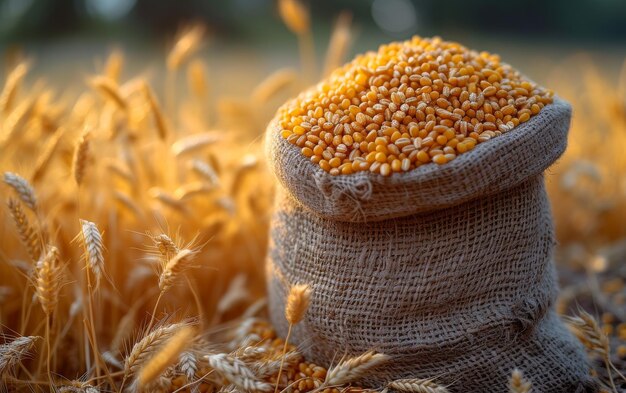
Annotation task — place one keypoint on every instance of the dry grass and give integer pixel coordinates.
(159, 194)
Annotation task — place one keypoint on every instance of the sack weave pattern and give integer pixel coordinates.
(460, 286)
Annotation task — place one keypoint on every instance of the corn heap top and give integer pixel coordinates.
(410, 103)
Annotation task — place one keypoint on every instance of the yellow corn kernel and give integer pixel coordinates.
(398, 108)
(440, 159)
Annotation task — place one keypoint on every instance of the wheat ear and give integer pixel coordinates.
(23, 189)
(166, 245)
(13, 352)
(79, 160)
(195, 142)
(174, 267)
(185, 46)
(236, 372)
(354, 368)
(109, 89)
(273, 84)
(206, 171)
(188, 365)
(47, 277)
(80, 388)
(94, 248)
(165, 356)
(517, 383)
(297, 19)
(339, 43)
(43, 160)
(197, 80)
(586, 329)
(114, 64)
(416, 385)
(27, 234)
(145, 348)
(271, 367)
(157, 113)
(11, 87)
(46, 280)
(298, 301)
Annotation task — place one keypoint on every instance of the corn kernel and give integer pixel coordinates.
(398, 108)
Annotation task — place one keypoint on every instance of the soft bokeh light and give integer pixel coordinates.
(110, 9)
(398, 18)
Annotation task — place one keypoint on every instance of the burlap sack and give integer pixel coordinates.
(448, 269)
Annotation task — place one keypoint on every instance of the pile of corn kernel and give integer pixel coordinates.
(409, 104)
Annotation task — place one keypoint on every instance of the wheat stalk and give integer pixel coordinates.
(113, 66)
(354, 368)
(206, 171)
(94, 248)
(120, 169)
(23, 189)
(46, 280)
(294, 15)
(251, 353)
(297, 19)
(339, 43)
(144, 349)
(168, 199)
(17, 120)
(517, 383)
(27, 234)
(273, 84)
(195, 142)
(109, 89)
(11, 87)
(47, 287)
(81, 155)
(185, 46)
(129, 203)
(230, 388)
(415, 385)
(166, 245)
(298, 302)
(43, 160)
(187, 191)
(13, 352)
(236, 372)
(80, 388)
(197, 79)
(271, 367)
(157, 114)
(174, 267)
(165, 356)
(188, 365)
(587, 330)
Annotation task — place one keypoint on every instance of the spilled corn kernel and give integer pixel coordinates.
(409, 104)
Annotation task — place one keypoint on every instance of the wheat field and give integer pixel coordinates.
(134, 224)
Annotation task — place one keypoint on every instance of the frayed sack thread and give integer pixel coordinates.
(448, 269)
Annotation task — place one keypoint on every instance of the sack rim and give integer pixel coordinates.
(512, 158)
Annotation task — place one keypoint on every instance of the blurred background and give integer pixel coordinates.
(529, 34)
